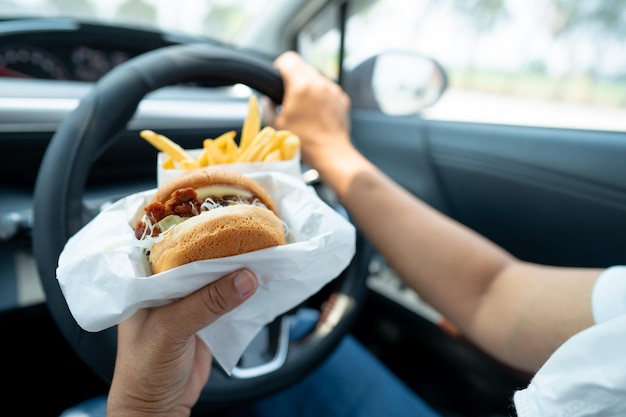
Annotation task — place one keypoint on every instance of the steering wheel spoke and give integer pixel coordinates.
(268, 351)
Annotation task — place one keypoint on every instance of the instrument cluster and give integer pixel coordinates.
(66, 49)
(75, 62)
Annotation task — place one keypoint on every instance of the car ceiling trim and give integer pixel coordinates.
(308, 11)
(274, 31)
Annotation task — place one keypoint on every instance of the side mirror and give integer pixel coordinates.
(395, 83)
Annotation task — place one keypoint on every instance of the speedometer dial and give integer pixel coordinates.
(23, 60)
(90, 63)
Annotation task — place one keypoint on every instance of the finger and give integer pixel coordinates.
(268, 111)
(293, 69)
(288, 62)
(206, 305)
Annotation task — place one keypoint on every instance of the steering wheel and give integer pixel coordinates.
(60, 212)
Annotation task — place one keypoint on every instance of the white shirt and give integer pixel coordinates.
(586, 376)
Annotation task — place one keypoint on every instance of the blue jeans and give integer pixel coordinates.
(351, 382)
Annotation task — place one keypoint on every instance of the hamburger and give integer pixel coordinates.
(207, 214)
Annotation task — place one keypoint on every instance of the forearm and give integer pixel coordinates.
(518, 312)
(502, 304)
(449, 265)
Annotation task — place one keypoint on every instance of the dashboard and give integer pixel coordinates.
(65, 49)
(47, 65)
(57, 62)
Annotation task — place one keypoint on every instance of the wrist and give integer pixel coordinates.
(339, 168)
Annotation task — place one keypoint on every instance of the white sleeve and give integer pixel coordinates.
(585, 377)
(608, 299)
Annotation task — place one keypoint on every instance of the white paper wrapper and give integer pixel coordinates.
(105, 276)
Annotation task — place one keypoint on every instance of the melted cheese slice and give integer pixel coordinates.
(221, 191)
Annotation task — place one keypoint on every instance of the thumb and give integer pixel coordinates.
(216, 299)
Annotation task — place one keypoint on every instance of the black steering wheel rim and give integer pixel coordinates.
(59, 211)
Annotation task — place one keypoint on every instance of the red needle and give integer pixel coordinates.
(7, 72)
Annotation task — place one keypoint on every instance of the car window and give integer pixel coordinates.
(556, 63)
(218, 20)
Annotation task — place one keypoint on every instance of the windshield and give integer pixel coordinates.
(221, 20)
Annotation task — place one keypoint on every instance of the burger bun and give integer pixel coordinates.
(225, 231)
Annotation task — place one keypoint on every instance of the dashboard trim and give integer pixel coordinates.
(28, 25)
(191, 107)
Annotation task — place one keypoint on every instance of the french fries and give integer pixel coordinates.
(263, 144)
(251, 124)
(290, 146)
(166, 145)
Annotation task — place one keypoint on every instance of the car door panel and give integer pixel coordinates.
(399, 146)
(547, 195)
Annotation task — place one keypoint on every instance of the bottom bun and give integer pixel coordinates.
(225, 231)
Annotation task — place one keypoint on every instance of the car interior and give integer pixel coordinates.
(75, 93)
